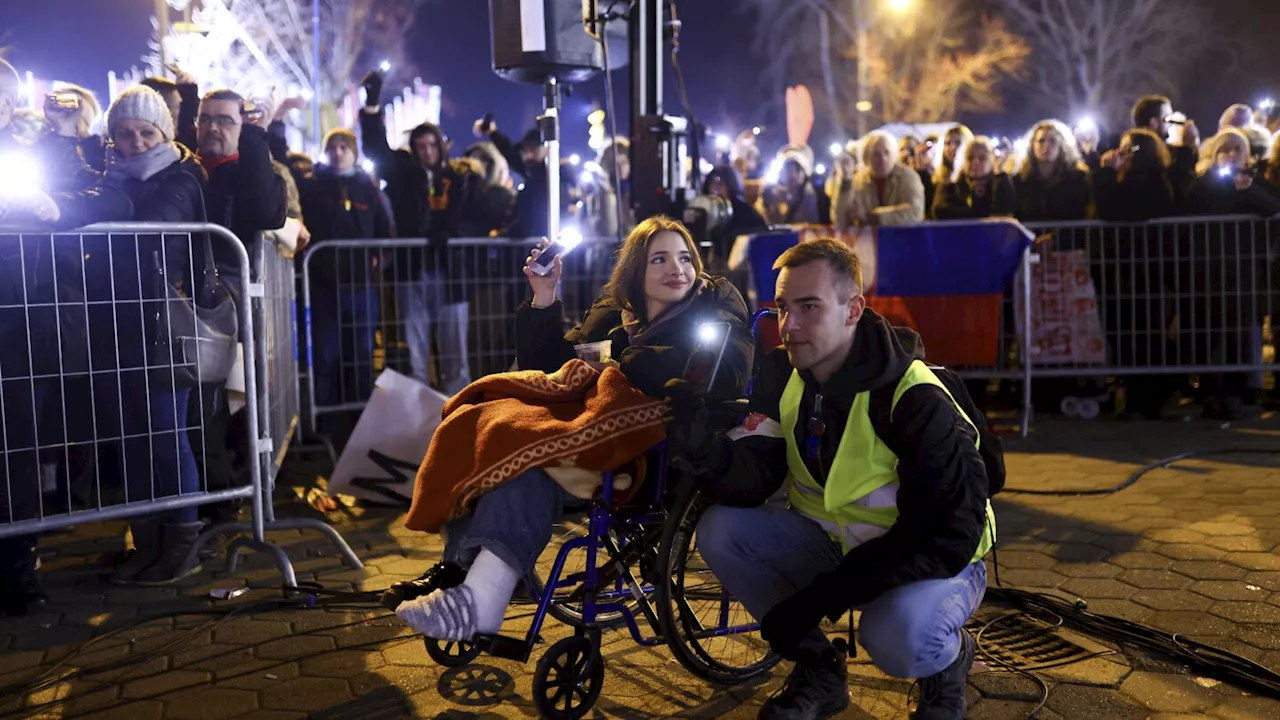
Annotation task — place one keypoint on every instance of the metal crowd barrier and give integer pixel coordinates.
(1186, 295)
(274, 306)
(444, 316)
(106, 382)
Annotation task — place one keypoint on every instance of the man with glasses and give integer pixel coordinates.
(245, 195)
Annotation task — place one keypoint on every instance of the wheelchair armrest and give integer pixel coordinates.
(732, 411)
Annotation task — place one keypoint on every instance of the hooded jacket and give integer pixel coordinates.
(942, 480)
(497, 199)
(541, 343)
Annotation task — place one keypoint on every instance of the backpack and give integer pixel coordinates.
(990, 446)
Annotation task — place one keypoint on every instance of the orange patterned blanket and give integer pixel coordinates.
(504, 424)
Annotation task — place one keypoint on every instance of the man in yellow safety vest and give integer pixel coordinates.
(855, 482)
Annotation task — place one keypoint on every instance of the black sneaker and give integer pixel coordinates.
(441, 576)
(815, 689)
(942, 695)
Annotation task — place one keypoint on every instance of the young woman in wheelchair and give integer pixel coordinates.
(649, 312)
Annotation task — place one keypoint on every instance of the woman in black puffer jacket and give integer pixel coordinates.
(166, 184)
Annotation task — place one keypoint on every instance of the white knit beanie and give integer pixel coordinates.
(140, 103)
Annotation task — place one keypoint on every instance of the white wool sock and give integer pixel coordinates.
(492, 582)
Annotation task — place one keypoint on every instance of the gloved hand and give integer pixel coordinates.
(789, 621)
(688, 422)
(372, 84)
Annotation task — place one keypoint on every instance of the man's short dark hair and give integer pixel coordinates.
(225, 94)
(160, 85)
(1148, 108)
(844, 263)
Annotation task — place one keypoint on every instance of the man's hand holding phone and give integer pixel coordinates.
(544, 285)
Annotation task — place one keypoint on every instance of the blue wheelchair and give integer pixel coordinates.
(650, 570)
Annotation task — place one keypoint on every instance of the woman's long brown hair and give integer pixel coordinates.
(626, 286)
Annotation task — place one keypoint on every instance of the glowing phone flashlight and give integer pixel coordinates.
(704, 364)
(569, 239)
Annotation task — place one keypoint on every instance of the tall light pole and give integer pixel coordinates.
(315, 72)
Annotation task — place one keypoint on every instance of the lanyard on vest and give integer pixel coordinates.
(814, 431)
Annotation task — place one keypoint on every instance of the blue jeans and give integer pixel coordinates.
(764, 554)
(344, 322)
(158, 459)
(424, 302)
(512, 521)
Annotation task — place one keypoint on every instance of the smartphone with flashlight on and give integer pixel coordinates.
(704, 364)
(567, 241)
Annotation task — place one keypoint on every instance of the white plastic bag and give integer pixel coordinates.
(389, 442)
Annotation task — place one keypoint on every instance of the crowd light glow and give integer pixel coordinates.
(774, 174)
(820, 169)
(1267, 104)
(574, 159)
(755, 130)
(723, 142)
(20, 175)
(708, 333)
(836, 149)
(1086, 124)
(385, 66)
(368, 166)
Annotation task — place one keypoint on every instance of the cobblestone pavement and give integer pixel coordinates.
(1190, 548)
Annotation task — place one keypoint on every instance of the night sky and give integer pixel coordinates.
(80, 40)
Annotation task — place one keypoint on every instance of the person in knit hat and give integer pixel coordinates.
(166, 184)
(790, 198)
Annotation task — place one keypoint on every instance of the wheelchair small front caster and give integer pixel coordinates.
(568, 680)
(449, 653)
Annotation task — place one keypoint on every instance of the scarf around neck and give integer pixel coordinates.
(637, 334)
(144, 166)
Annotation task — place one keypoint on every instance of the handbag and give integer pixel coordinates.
(195, 340)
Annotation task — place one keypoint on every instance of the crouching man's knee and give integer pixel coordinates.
(904, 642)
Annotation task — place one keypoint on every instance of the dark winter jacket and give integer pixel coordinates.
(1066, 199)
(541, 343)
(531, 202)
(943, 486)
(963, 199)
(436, 204)
(245, 195)
(1214, 195)
(342, 207)
(1141, 196)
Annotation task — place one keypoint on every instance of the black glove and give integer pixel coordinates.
(372, 84)
(789, 621)
(688, 422)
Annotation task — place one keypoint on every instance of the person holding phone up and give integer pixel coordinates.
(649, 314)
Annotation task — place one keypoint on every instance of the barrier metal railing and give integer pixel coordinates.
(444, 316)
(113, 361)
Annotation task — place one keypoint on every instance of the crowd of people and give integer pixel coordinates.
(1157, 168)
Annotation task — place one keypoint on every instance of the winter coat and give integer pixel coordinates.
(1141, 196)
(1214, 195)
(245, 195)
(942, 493)
(436, 204)
(531, 216)
(902, 204)
(342, 207)
(1066, 199)
(541, 343)
(964, 199)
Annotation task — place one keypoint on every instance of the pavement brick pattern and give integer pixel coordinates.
(1190, 548)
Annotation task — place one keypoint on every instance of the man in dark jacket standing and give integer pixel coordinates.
(246, 196)
(529, 158)
(433, 199)
(887, 497)
(1152, 112)
(341, 202)
(66, 193)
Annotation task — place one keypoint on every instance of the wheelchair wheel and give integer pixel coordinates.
(448, 653)
(567, 606)
(568, 679)
(695, 610)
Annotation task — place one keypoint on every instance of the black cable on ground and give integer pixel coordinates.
(1137, 474)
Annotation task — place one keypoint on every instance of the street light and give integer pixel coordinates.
(899, 5)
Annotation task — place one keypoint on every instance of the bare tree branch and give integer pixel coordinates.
(1098, 56)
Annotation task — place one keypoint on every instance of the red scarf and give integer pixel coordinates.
(213, 163)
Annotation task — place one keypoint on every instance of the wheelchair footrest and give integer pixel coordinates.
(508, 648)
